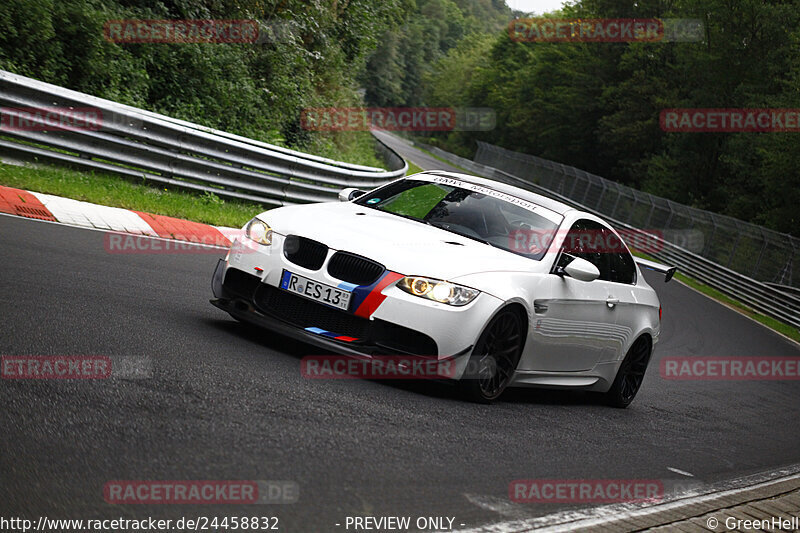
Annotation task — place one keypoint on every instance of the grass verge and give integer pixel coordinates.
(711, 292)
(412, 169)
(110, 190)
(445, 161)
(714, 294)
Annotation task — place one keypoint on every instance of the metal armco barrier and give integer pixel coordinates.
(769, 299)
(746, 248)
(137, 144)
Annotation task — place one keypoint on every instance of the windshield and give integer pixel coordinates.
(474, 214)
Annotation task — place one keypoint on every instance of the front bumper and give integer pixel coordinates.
(241, 310)
(398, 325)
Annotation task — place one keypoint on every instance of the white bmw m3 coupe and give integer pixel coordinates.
(511, 288)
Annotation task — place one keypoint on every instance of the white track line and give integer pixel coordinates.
(681, 472)
(597, 516)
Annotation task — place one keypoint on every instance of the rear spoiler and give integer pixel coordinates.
(668, 271)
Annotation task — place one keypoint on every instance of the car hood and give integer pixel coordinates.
(400, 244)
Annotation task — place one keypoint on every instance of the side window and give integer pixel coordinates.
(586, 239)
(622, 268)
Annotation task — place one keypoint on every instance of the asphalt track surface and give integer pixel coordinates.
(407, 151)
(227, 402)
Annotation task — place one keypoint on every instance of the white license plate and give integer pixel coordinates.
(314, 290)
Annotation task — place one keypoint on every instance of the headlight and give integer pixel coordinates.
(438, 290)
(258, 230)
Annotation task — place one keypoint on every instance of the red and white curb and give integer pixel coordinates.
(42, 206)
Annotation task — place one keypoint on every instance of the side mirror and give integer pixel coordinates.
(582, 270)
(350, 193)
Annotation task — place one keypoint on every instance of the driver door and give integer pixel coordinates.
(574, 326)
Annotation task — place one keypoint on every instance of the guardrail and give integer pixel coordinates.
(767, 299)
(135, 143)
(755, 251)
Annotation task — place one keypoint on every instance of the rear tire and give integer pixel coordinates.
(495, 358)
(630, 374)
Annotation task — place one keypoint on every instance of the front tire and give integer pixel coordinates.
(630, 374)
(495, 357)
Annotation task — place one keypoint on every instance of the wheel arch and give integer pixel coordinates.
(644, 334)
(522, 311)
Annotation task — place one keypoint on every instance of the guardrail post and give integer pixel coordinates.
(586, 192)
(650, 214)
(787, 269)
(707, 247)
(602, 194)
(735, 245)
(616, 203)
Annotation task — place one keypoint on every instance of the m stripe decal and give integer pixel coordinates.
(374, 299)
(332, 335)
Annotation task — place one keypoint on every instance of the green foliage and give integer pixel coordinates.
(412, 168)
(596, 105)
(212, 199)
(407, 55)
(450, 78)
(106, 189)
(308, 55)
(359, 146)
